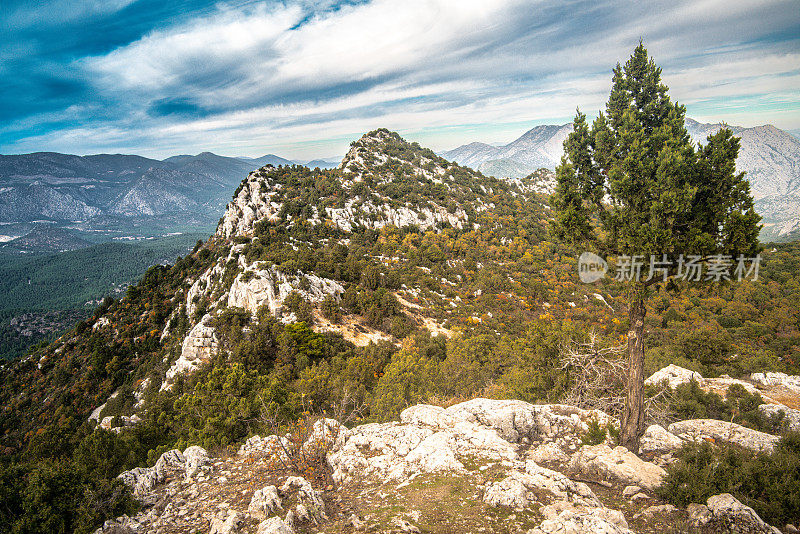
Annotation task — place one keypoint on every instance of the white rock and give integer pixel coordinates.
(731, 514)
(582, 521)
(310, 498)
(548, 452)
(141, 480)
(713, 430)
(699, 514)
(198, 348)
(790, 415)
(674, 376)
(230, 525)
(196, 458)
(619, 463)
(657, 440)
(274, 525)
(777, 379)
(169, 461)
(265, 501)
(509, 492)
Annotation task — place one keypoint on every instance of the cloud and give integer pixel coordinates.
(241, 77)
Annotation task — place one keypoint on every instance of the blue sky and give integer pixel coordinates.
(302, 79)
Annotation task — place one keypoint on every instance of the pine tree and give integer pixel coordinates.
(635, 184)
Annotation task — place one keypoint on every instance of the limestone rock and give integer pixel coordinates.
(674, 376)
(790, 415)
(656, 440)
(699, 515)
(274, 525)
(268, 447)
(227, 524)
(713, 430)
(619, 463)
(509, 492)
(265, 501)
(730, 515)
(196, 458)
(198, 347)
(777, 379)
(549, 453)
(140, 479)
(576, 520)
(167, 462)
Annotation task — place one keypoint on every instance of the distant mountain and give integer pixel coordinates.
(113, 194)
(269, 159)
(322, 163)
(46, 238)
(770, 156)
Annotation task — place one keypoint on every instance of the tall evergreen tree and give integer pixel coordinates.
(634, 184)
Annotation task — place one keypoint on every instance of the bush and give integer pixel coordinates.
(768, 483)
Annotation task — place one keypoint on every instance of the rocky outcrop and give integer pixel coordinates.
(789, 415)
(713, 431)
(198, 348)
(730, 515)
(265, 501)
(777, 379)
(673, 376)
(257, 287)
(618, 463)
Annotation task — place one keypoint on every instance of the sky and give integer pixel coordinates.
(303, 79)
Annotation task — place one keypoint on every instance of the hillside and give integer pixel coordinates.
(769, 156)
(398, 278)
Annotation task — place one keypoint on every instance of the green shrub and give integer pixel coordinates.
(768, 483)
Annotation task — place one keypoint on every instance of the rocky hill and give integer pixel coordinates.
(257, 383)
(769, 156)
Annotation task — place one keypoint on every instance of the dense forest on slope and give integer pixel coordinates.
(475, 263)
(45, 294)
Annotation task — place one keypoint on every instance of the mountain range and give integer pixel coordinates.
(110, 195)
(769, 156)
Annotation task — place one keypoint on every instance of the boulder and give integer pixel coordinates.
(269, 447)
(196, 458)
(650, 511)
(509, 492)
(713, 430)
(566, 519)
(656, 440)
(730, 515)
(617, 463)
(265, 501)
(674, 376)
(274, 525)
(630, 491)
(141, 480)
(168, 462)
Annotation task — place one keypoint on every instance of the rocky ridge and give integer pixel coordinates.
(481, 465)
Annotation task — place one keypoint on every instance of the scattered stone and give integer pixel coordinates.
(713, 430)
(311, 505)
(730, 515)
(604, 462)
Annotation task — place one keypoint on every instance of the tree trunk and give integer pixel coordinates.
(632, 424)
